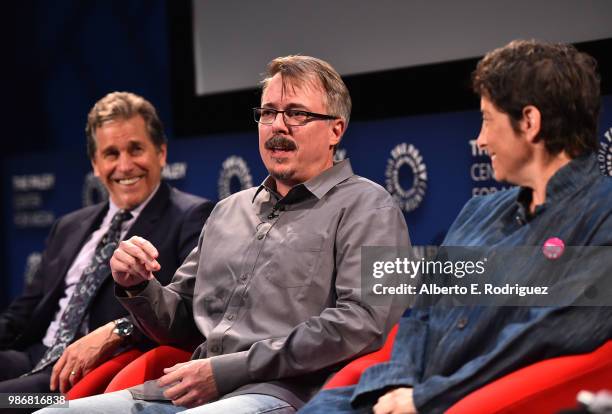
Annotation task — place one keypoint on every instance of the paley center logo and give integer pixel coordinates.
(93, 190)
(32, 264)
(339, 155)
(408, 195)
(605, 153)
(234, 169)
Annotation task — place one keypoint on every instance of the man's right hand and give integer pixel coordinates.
(134, 262)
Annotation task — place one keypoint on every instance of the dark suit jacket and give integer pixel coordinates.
(172, 222)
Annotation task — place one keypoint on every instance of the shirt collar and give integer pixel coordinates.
(112, 207)
(317, 186)
(568, 179)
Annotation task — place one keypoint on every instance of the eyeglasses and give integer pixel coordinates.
(292, 117)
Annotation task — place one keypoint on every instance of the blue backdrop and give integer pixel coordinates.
(65, 55)
(429, 163)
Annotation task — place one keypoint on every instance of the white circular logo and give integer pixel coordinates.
(340, 154)
(408, 195)
(32, 264)
(93, 190)
(605, 153)
(234, 168)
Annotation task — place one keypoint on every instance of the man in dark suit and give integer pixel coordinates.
(127, 148)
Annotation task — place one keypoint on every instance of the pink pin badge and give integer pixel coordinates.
(553, 248)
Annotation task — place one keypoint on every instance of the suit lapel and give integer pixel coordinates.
(82, 229)
(148, 216)
(151, 213)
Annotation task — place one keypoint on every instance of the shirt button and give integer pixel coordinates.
(260, 236)
(230, 317)
(243, 278)
(214, 349)
(462, 322)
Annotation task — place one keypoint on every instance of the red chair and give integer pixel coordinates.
(351, 372)
(97, 380)
(544, 387)
(133, 368)
(127, 370)
(148, 366)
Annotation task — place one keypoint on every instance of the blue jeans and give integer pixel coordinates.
(122, 402)
(336, 401)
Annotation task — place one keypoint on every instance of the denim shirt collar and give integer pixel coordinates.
(569, 178)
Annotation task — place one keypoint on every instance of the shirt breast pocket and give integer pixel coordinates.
(295, 260)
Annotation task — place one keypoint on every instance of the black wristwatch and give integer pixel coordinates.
(123, 327)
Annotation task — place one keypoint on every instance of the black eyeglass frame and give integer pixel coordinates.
(311, 116)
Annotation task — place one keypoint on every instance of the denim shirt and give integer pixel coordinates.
(446, 353)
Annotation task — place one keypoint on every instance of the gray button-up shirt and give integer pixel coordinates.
(274, 285)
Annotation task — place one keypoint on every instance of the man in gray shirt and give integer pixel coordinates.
(274, 284)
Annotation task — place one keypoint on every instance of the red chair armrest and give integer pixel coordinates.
(147, 367)
(351, 373)
(97, 380)
(544, 387)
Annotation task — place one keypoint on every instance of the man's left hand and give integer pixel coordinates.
(192, 383)
(397, 401)
(82, 356)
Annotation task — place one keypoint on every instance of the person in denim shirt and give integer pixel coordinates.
(540, 105)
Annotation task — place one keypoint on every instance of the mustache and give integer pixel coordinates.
(280, 142)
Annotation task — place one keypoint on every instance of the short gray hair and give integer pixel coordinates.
(307, 69)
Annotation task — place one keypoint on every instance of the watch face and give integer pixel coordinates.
(123, 327)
